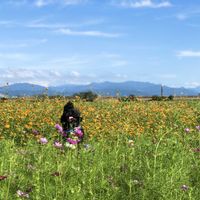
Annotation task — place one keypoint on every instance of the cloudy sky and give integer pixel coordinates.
(55, 42)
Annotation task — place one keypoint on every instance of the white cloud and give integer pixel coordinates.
(87, 33)
(76, 69)
(44, 77)
(45, 25)
(61, 28)
(188, 53)
(75, 74)
(41, 23)
(34, 76)
(192, 84)
(144, 4)
(23, 43)
(189, 13)
(42, 3)
(6, 22)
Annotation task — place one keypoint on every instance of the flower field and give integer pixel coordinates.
(131, 150)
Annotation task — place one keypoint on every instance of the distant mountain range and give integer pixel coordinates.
(104, 89)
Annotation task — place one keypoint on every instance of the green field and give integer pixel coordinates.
(132, 150)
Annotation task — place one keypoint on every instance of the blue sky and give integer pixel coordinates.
(55, 42)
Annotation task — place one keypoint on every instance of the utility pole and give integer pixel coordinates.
(174, 93)
(161, 90)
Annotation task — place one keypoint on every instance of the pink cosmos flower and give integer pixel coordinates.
(198, 128)
(71, 141)
(64, 134)
(187, 130)
(43, 140)
(57, 144)
(78, 132)
(35, 132)
(59, 128)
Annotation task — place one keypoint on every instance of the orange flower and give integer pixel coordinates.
(7, 126)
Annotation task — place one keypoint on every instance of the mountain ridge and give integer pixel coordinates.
(102, 88)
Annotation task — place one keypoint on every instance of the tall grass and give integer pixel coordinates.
(166, 168)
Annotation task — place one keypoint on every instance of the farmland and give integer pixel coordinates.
(131, 150)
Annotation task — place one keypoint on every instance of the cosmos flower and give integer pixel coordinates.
(86, 146)
(7, 126)
(35, 132)
(78, 132)
(131, 143)
(187, 130)
(30, 167)
(136, 181)
(184, 187)
(22, 194)
(59, 128)
(71, 141)
(43, 140)
(198, 128)
(64, 134)
(57, 144)
(71, 146)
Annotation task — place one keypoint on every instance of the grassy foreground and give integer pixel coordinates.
(136, 150)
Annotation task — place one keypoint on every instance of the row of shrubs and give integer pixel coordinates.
(91, 96)
(162, 98)
(153, 98)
